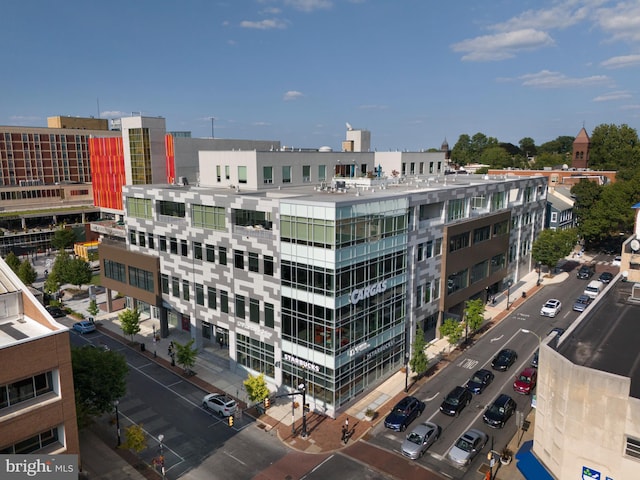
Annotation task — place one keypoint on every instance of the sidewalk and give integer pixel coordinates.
(212, 374)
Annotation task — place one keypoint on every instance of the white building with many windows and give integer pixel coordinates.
(320, 266)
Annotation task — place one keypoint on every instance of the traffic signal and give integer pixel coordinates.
(306, 408)
(231, 420)
(267, 402)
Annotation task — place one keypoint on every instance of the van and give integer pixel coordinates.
(593, 289)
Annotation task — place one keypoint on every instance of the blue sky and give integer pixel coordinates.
(413, 72)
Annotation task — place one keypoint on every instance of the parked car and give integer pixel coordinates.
(405, 412)
(534, 359)
(56, 312)
(468, 446)
(497, 414)
(585, 272)
(504, 360)
(606, 277)
(559, 331)
(581, 303)
(219, 403)
(420, 439)
(479, 381)
(85, 326)
(551, 308)
(455, 402)
(526, 381)
(616, 261)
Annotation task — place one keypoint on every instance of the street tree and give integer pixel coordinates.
(587, 195)
(61, 266)
(452, 329)
(13, 261)
(27, 273)
(130, 321)
(474, 313)
(186, 354)
(99, 378)
(63, 238)
(419, 361)
(562, 145)
(135, 438)
(546, 159)
(93, 308)
(52, 284)
(78, 272)
(256, 387)
(552, 245)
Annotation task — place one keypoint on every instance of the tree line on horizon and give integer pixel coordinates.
(612, 147)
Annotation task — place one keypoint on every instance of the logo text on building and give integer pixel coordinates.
(302, 363)
(370, 290)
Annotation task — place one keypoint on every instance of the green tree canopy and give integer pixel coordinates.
(256, 387)
(13, 261)
(615, 148)
(99, 378)
(61, 266)
(63, 238)
(496, 157)
(78, 272)
(452, 329)
(528, 146)
(419, 361)
(474, 313)
(130, 322)
(186, 354)
(93, 308)
(587, 195)
(51, 284)
(461, 151)
(562, 145)
(27, 273)
(135, 438)
(552, 245)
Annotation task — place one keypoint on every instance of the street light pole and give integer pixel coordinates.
(539, 272)
(160, 439)
(115, 404)
(508, 294)
(303, 389)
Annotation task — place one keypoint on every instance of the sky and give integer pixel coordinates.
(412, 72)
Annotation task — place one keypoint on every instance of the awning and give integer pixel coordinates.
(529, 465)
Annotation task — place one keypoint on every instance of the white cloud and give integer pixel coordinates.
(24, 118)
(261, 124)
(502, 45)
(621, 61)
(292, 95)
(266, 24)
(548, 79)
(630, 107)
(309, 5)
(622, 22)
(559, 16)
(608, 97)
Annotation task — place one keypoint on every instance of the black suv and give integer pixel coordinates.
(457, 399)
(585, 272)
(499, 411)
(404, 413)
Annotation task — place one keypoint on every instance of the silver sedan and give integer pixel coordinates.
(420, 439)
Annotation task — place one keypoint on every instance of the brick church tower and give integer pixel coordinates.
(581, 144)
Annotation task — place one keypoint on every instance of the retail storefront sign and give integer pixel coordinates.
(369, 291)
(302, 363)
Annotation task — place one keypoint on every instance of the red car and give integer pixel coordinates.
(526, 381)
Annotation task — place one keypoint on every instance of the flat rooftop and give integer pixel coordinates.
(607, 339)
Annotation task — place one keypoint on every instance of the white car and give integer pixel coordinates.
(617, 261)
(219, 403)
(551, 308)
(468, 446)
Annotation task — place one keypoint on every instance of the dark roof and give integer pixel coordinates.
(607, 340)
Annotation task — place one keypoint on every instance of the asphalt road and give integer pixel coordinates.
(194, 439)
(507, 334)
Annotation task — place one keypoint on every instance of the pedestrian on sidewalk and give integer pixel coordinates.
(345, 433)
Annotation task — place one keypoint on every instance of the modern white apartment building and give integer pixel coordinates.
(318, 265)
